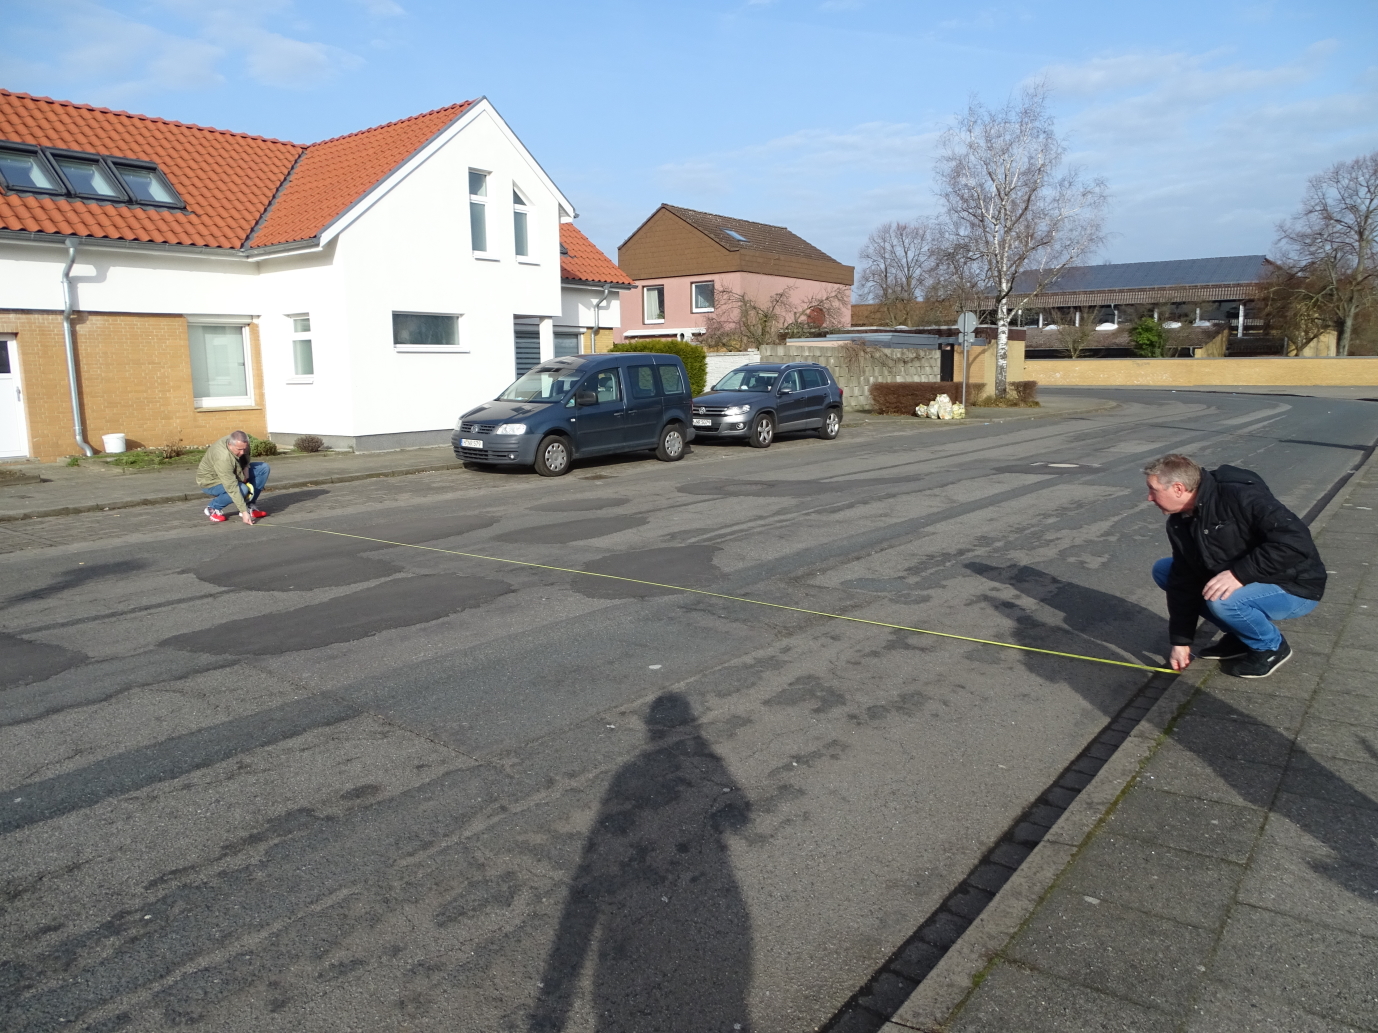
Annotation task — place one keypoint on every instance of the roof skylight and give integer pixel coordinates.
(735, 235)
(27, 169)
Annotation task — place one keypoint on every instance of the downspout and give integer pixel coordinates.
(597, 310)
(77, 428)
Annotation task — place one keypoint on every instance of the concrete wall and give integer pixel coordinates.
(1213, 372)
(856, 368)
(135, 375)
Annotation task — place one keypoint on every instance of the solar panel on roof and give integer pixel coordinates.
(1188, 272)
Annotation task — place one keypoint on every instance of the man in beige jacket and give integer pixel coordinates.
(227, 476)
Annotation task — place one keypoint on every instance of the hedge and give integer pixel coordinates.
(903, 398)
(694, 357)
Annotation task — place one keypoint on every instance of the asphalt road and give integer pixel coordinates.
(270, 779)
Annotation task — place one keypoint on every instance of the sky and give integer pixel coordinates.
(1204, 118)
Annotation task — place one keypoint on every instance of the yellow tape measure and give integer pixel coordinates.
(736, 599)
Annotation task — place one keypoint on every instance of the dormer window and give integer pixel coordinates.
(27, 169)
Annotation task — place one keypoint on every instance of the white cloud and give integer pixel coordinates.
(382, 8)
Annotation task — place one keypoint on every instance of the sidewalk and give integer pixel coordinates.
(56, 489)
(1221, 872)
(94, 486)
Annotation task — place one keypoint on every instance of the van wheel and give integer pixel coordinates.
(552, 456)
(832, 423)
(671, 447)
(762, 431)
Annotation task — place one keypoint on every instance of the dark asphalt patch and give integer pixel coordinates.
(398, 603)
(571, 530)
(578, 505)
(299, 561)
(78, 576)
(804, 489)
(23, 662)
(688, 565)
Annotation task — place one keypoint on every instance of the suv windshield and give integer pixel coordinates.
(542, 384)
(747, 379)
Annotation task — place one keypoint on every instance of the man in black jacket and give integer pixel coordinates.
(1240, 558)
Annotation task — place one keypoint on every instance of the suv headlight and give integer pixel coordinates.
(510, 428)
(737, 410)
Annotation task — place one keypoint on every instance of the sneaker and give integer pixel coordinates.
(215, 515)
(257, 514)
(1228, 648)
(1260, 664)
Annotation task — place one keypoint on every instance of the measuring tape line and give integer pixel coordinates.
(735, 599)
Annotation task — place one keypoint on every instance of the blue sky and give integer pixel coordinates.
(1204, 118)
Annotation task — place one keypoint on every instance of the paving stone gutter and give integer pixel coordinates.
(1002, 952)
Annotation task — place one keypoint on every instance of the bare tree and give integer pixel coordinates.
(743, 322)
(1298, 306)
(1333, 239)
(897, 263)
(1016, 218)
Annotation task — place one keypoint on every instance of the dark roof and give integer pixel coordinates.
(750, 236)
(1186, 272)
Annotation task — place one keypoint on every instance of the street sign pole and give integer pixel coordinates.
(966, 324)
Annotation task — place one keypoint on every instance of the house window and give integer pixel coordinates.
(478, 210)
(701, 296)
(653, 300)
(303, 361)
(219, 366)
(27, 169)
(520, 213)
(425, 332)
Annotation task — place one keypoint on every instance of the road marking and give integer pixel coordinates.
(733, 598)
(1249, 417)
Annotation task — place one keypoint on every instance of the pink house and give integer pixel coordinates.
(685, 262)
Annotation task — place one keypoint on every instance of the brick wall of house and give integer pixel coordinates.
(134, 373)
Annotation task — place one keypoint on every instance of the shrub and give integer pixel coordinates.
(1149, 338)
(695, 359)
(308, 443)
(172, 450)
(261, 447)
(903, 398)
(1025, 390)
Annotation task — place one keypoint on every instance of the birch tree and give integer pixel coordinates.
(1015, 216)
(1333, 239)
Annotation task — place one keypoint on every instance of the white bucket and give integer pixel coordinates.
(113, 442)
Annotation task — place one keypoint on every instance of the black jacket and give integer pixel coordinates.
(1237, 525)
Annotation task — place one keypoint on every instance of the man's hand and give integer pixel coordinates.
(1222, 586)
(248, 518)
(1180, 658)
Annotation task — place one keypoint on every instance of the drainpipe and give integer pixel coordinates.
(77, 428)
(597, 309)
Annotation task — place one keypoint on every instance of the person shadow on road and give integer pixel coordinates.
(655, 901)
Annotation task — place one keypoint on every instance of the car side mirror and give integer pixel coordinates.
(585, 397)
(785, 391)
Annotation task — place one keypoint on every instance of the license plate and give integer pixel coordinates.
(703, 423)
(470, 443)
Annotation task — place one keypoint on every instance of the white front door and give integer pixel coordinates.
(14, 438)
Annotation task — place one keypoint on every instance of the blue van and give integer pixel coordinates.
(582, 405)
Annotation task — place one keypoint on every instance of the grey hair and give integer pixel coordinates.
(1175, 468)
(239, 435)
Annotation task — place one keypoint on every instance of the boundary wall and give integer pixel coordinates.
(1265, 371)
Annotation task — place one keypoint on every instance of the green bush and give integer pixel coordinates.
(262, 447)
(1149, 338)
(694, 357)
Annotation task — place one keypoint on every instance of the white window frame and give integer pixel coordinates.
(435, 349)
(693, 301)
(305, 335)
(645, 294)
(480, 201)
(524, 208)
(213, 402)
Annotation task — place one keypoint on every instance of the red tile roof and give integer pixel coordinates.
(583, 261)
(228, 180)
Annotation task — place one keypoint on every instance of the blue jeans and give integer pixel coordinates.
(220, 498)
(1249, 612)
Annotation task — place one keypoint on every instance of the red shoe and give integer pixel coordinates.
(216, 516)
(257, 514)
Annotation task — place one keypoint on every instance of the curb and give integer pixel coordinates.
(956, 977)
(192, 496)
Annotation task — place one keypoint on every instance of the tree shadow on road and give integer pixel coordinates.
(655, 903)
(1316, 799)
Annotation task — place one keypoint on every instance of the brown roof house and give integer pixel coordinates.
(177, 281)
(725, 280)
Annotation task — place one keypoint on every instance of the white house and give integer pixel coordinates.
(366, 289)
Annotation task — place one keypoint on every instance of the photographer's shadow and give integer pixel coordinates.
(655, 903)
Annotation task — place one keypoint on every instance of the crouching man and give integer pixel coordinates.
(227, 476)
(1240, 559)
